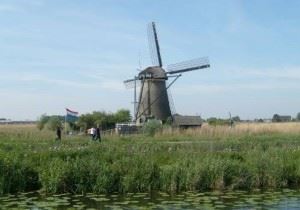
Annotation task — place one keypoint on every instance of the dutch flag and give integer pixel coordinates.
(71, 116)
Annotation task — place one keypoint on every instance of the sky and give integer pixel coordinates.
(57, 54)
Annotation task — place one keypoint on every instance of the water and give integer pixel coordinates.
(285, 199)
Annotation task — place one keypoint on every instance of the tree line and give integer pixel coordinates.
(282, 118)
(106, 120)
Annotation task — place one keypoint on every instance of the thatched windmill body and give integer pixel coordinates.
(153, 100)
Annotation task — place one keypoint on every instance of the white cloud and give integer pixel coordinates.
(292, 73)
(102, 83)
(19, 6)
(237, 19)
(9, 8)
(269, 79)
(225, 88)
(35, 2)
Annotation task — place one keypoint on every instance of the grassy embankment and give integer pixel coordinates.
(247, 156)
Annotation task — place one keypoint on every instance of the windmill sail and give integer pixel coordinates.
(154, 45)
(190, 65)
(171, 101)
(130, 83)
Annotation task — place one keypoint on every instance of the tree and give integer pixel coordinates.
(106, 120)
(298, 117)
(260, 120)
(122, 115)
(54, 122)
(86, 121)
(218, 121)
(236, 119)
(42, 121)
(276, 118)
(50, 122)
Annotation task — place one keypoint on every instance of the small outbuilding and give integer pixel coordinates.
(185, 122)
(281, 118)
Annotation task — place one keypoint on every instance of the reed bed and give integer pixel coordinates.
(247, 156)
(238, 129)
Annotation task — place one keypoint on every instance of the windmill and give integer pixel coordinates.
(153, 100)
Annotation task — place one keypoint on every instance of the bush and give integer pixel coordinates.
(104, 119)
(42, 121)
(53, 176)
(151, 127)
(50, 122)
(215, 121)
(54, 122)
(16, 177)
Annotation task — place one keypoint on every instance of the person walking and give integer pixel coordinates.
(98, 134)
(93, 133)
(58, 133)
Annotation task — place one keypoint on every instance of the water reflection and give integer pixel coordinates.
(285, 199)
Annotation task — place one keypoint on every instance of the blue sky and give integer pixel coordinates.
(73, 53)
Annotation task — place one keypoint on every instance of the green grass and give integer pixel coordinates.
(187, 161)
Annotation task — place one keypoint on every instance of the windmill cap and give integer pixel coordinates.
(154, 72)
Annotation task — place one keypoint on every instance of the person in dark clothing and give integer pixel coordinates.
(98, 134)
(58, 133)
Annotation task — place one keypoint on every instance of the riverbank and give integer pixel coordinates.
(248, 156)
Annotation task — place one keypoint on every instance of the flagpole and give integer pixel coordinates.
(66, 124)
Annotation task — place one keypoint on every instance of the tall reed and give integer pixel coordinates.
(247, 156)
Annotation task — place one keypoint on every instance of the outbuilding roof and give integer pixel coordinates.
(179, 120)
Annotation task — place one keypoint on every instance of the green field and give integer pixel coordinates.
(248, 156)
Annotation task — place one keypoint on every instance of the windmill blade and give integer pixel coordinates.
(190, 65)
(154, 45)
(130, 83)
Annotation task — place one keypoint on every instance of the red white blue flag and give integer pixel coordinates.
(71, 116)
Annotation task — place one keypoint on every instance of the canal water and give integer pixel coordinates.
(284, 199)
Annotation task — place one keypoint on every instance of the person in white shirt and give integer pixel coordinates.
(93, 133)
